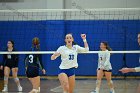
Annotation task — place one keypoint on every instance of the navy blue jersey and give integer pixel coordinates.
(34, 60)
(10, 59)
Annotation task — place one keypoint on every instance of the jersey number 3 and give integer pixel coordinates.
(31, 57)
(71, 57)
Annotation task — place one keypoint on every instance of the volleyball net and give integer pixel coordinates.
(118, 26)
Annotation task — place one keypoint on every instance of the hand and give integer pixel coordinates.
(25, 70)
(43, 71)
(102, 68)
(125, 70)
(83, 36)
(55, 55)
(1, 67)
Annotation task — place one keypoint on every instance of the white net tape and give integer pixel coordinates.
(51, 52)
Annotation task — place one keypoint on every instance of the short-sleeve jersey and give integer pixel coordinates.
(69, 56)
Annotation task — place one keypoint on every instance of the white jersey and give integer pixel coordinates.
(69, 56)
(104, 60)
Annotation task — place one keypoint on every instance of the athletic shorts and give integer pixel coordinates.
(106, 70)
(68, 72)
(11, 65)
(32, 72)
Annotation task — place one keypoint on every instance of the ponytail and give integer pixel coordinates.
(74, 43)
(107, 46)
(36, 47)
(36, 44)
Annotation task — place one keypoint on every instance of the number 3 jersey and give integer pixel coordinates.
(34, 60)
(104, 60)
(69, 56)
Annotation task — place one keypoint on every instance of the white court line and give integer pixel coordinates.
(57, 89)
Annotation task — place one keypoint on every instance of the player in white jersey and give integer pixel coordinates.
(67, 67)
(136, 69)
(104, 67)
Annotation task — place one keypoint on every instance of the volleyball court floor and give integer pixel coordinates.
(82, 86)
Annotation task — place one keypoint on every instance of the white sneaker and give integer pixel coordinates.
(39, 90)
(19, 88)
(5, 89)
(34, 91)
(112, 91)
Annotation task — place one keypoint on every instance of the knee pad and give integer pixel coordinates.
(16, 79)
(5, 78)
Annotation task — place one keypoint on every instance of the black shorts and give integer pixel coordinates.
(106, 70)
(32, 72)
(11, 66)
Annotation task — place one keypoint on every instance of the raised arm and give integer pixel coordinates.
(83, 36)
(86, 47)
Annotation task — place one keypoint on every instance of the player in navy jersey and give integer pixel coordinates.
(10, 62)
(33, 63)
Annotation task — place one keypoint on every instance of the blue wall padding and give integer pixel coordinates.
(120, 34)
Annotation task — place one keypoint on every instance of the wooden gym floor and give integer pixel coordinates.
(82, 85)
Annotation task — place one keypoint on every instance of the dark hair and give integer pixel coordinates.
(11, 42)
(107, 46)
(138, 32)
(74, 43)
(37, 45)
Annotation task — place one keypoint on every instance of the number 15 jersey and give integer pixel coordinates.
(69, 56)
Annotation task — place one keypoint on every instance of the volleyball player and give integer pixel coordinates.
(104, 67)
(136, 69)
(33, 63)
(10, 62)
(69, 63)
